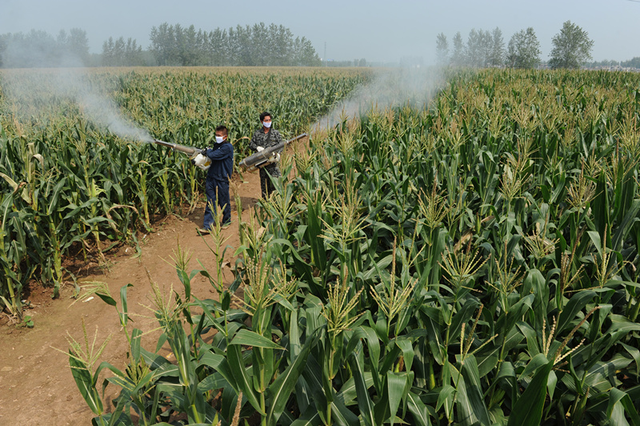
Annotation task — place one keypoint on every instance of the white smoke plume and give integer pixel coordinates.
(389, 88)
(99, 108)
(34, 90)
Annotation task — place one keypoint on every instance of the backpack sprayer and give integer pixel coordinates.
(267, 155)
(255, 161)
(196, 155)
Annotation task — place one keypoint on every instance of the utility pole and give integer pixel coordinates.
(325, 53)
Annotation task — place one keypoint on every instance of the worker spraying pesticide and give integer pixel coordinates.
(217, 183)
(267, 144)
(217, 161)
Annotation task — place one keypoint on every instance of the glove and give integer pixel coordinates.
(274, 158)
(201, 161)
(260, 149)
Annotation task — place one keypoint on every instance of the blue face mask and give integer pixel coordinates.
(219, 139)
(266, 124)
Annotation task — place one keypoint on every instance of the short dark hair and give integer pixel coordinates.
(222, 129)
(264, 115)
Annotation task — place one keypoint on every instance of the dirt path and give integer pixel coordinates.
(36, 386)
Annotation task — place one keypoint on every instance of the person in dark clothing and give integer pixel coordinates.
(217, 183)
(265, 137)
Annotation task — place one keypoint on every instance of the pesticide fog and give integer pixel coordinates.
(31, 92)
(389, 88)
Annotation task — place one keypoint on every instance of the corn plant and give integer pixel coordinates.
(471, 261)
(70, 177)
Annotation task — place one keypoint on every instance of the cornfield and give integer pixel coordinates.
(474, 261)
(70, 187)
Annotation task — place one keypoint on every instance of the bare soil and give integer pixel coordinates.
(36, 386)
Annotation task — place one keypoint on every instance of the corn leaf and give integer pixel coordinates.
(251, 338)
(242, 377)
(527, 410)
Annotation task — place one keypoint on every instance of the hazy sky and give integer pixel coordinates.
(377, 30)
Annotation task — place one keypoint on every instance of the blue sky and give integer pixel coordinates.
(377, 30)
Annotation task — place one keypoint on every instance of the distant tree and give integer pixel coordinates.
(61, 39)
(632, 63)
(304, 54)
(156, 47)
(159, 43)
(204, 41)
(474, 49)
(257, 45)
(336, 64)
(496, 56)
(72, 49)
(260, 38)
(486, 46)
(281, 43)
(3, 47)
(40, 49)
(524, 50)
(217, 47)
(164, 44)
(119, 52)
(188, 47)
(133, 53)
(571, 47)
(78, 44)
(233, 47)
(606, 63)
(107, 53)
(31, 50)
(180, 46)
(442, 49)
(478, 48)
(458, 57)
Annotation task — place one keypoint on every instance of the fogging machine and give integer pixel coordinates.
(266, 156)
(196, 155)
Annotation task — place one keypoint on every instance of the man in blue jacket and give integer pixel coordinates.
(217, 183)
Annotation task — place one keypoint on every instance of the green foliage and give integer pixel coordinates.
(70, 188)
(27, 321)
(475, 262)
(523, 50)
(257, 45)
(631, 63)
(442, 49)
(571, 47)
(119, 53)
(483, 49)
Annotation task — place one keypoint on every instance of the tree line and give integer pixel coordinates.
(171, 45)
(571, 49)
(41, 49)
(257, 45)
(611, 64)
(120, 53)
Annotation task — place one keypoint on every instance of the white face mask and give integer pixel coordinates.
(266, 124)
(219, 139)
